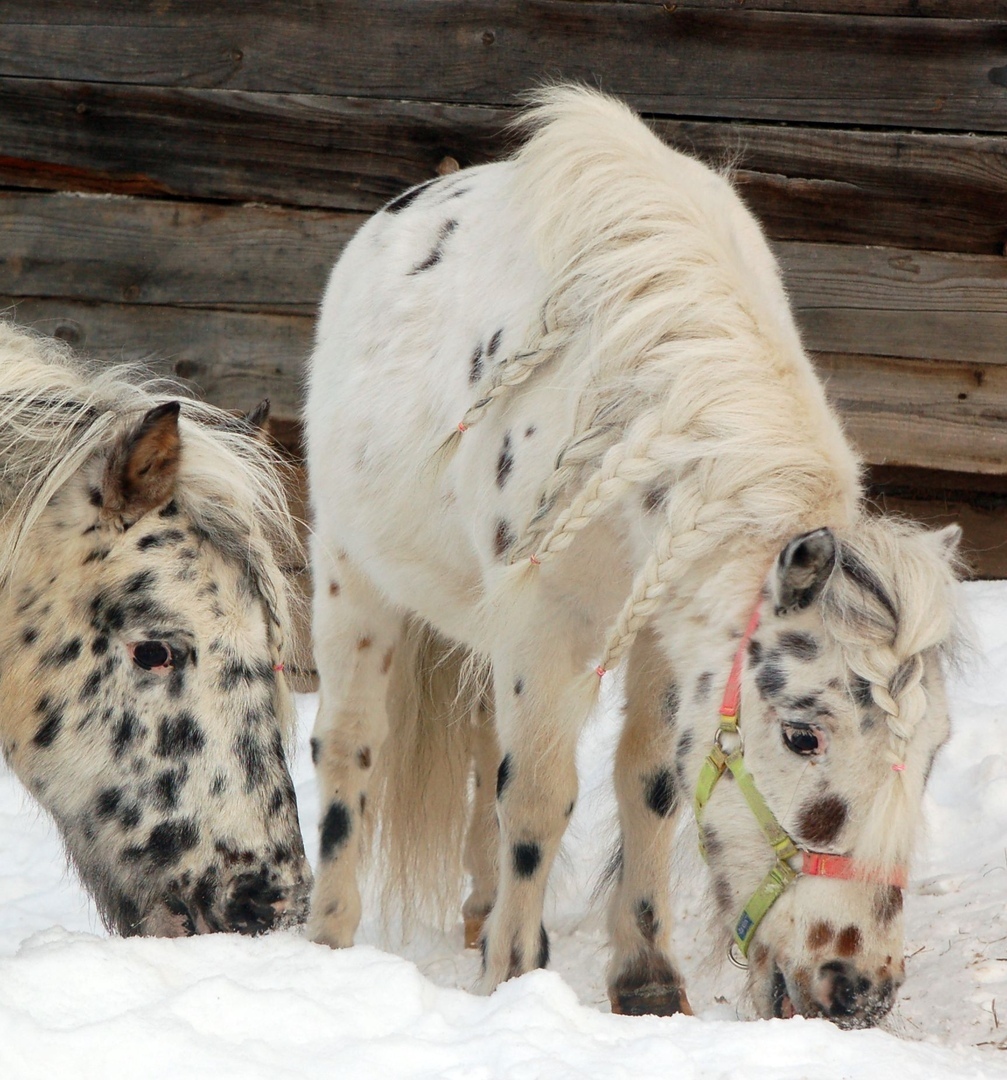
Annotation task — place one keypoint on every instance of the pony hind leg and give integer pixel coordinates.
(541, 706)
(355, 636)
(483, 832)
(642, 977)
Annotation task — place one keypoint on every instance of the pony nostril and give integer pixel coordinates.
(254, 903)
(844, 997)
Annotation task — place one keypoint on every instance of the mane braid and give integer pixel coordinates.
(888, 602)
(58, 411)
(693, 370)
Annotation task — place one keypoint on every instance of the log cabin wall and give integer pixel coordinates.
(177, 178)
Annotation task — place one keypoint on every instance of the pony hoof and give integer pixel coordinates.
(473, 930)
(653, 1000)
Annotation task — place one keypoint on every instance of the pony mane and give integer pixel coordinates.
(58, 411)
(891, 604)
(663, 290)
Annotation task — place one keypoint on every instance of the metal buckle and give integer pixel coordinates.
(718, 740)
(734, 955)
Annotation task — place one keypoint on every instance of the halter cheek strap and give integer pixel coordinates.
(791, 861)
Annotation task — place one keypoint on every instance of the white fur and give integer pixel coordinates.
(645, 348)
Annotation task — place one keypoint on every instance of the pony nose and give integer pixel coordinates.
(256, 903)
(850, 998)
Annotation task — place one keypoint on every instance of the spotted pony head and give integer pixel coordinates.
(143, 628)
(842, 711)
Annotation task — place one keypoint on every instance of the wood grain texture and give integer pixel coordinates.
(295, 149)
(893, 302)
(937, 192)
(930, 414)
(231, 358)
(848, 298)
(933, 73)
(926, 414)
(142, 251)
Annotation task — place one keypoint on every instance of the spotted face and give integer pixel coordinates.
(839, 740)
(143, 706)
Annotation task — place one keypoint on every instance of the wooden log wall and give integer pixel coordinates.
(177, 177)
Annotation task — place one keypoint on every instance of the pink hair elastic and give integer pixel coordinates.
(278, 667)
(600, 671)
(462, 426)
(899, 766)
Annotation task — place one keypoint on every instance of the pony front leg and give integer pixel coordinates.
(355, 635)
(642, 977)
(540, 716)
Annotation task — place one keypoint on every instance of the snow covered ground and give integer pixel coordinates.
(75, 1003)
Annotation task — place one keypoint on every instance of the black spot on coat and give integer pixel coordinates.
(670, 701)
(503, 775)
(770, 681)
(503, 538)
(661, 793)
(170, 839)
(797, 643)
(505, 462)
(51, 724)
(335, 831)
(476, 365)
(527, 856)
(400, 202)
(179, 736)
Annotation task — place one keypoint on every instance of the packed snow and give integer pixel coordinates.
(74, 1002)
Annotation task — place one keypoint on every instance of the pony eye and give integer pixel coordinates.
(804, 739)
(151, 655)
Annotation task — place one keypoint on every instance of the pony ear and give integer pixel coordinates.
(258, 418)
(949, 538)
(142, 470)
(801, 570)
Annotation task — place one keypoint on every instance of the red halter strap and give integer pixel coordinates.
(732, 692)
(822, 864)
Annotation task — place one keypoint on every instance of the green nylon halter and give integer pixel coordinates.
(782, 872)
(717, 762)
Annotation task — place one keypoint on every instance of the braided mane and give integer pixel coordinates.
(696, 377)
(889, 604)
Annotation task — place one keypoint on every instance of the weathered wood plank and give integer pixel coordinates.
(231, 358)
(894, 302)
(930, 414)
(977, 503)
(761, 65)
(907, 189)
(142, 251)
(938, 192)
(848, 298)
(921, 413)
(296, 149)
(914, 9)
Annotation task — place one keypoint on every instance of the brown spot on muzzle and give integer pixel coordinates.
(821, 820)
(849, 941)
(819, 935)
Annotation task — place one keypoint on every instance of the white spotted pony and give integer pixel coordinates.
(559, 414)
(143, 627)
